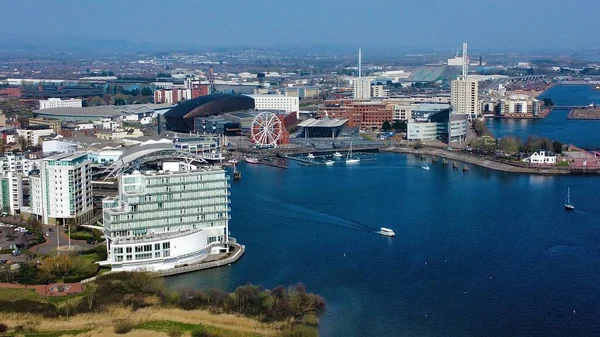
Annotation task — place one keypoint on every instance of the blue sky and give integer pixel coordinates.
(497, 24)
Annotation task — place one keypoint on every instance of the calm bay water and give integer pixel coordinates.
(475, 253)
(584, 134)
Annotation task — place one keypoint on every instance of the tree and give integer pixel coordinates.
(479, 128)
(146, 91)
(535, 143)
(510, 145)
(399, 126)
(557, 147)
(55, 267)
(548, 102)
(386, 126)
(96, 101)
(23, 142)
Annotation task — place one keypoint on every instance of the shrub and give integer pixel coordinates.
(3, 328)
(202, 333)
(123, 326)
(174, 332)
(28, 306)
(300, 330)
(311, 320)
(136, 301)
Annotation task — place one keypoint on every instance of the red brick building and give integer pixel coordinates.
(363, 115)
(10, 92)
(199, 90)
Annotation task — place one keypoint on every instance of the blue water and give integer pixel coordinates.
(475, 253)
(584, 134)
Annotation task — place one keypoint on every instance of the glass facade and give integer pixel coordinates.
(162, 203)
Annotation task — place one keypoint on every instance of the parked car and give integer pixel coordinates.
(91, 242)
(47, 233)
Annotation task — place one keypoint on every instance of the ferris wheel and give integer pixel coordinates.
(266, 129)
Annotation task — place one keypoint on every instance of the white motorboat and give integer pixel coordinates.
(425, 167)
(386, 231)
(310, 156)
(329, 162)
(337, 155)
(251, 160)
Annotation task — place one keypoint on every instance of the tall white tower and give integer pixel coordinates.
(359, 62)
(465, 64)
(464, 94)
(362, 85)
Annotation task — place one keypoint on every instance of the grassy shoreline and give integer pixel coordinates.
(146, 321)
(138, 304)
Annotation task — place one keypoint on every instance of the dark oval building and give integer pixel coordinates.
(181, 117)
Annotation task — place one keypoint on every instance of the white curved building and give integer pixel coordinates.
(164, 219)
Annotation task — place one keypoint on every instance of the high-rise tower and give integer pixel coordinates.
(362, 85)
(465, 91)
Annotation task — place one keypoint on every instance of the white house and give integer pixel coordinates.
(541, 157)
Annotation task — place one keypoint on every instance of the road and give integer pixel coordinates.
(56, 237)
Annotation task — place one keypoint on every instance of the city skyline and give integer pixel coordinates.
(393, 24)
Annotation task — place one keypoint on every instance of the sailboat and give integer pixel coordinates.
(568, 205)
(349, 159)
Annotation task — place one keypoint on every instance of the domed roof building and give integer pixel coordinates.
(181, 117)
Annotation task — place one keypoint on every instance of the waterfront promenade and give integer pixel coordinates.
(475, 160)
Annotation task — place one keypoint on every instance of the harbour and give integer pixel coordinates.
(449, 253)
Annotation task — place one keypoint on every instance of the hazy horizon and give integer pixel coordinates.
(425, 24)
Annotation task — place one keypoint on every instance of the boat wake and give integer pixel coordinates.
(297, 212)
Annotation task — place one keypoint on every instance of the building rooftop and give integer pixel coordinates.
(271, 95)
(66, 156)
(36, 127)
(323, 123)
(95, 111)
